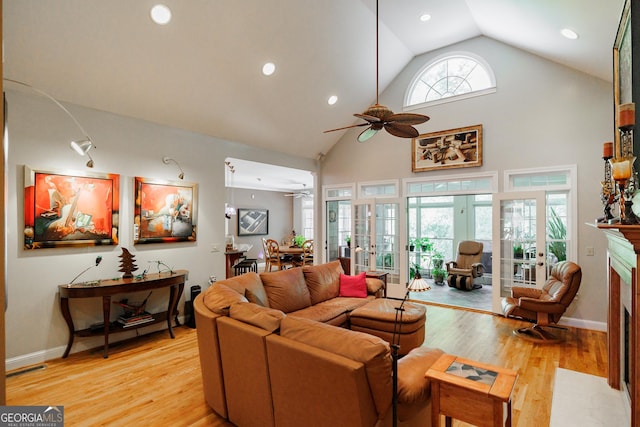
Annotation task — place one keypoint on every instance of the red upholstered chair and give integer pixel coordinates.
(544, 306)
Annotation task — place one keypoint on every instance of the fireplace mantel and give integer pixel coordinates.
(622, 282)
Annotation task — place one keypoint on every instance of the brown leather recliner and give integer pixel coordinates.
(544, 306)
(467, 265)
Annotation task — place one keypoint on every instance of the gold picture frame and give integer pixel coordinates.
(64, 208)
(164, 211)
(622, 66)
(447, 149)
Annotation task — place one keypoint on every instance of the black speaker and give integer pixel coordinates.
(188, 307)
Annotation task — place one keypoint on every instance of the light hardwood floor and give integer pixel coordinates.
(154, 380)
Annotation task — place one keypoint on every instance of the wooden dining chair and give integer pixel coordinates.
(307, 252)
(265, 252)
(273, 248)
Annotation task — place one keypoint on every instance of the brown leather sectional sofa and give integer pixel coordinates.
(275, 351)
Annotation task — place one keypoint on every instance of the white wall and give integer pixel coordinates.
(39, 135)
(280, 217)
(542, 114)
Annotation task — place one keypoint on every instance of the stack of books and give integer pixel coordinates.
(138, 319)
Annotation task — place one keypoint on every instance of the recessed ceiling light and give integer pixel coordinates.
(569, 33)
(332, 100)
(268, 68)
(160, 14)
(425, 17)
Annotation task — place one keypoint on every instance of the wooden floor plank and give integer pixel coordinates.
(154, 380)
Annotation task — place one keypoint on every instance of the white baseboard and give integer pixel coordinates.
(40, 357)
(583, 324)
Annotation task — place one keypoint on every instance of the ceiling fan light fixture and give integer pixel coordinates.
(366, 134)
(332, 100)
(379, 116)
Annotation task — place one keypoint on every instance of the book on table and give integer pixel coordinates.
(138, 319)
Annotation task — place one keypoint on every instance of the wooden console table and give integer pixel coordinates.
(107, 288)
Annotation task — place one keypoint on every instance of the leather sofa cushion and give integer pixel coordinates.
(286, 289)
(374, 285)
(367, 349)
(262, 317)
(414, 390)
(219, 297)
(333, 311)
(323, 280)
(248, 282)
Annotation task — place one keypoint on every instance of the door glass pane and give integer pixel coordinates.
(387, 240)
(517, 244)
(361, 240)
(338, 228)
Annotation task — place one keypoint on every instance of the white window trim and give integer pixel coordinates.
(327, 188)
(393, 182)
(416, 77)
(492, 175)
(572, 187)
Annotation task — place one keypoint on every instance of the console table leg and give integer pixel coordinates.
(175, 292)
(64, 306)
(106, 312)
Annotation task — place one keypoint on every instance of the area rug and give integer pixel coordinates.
(584, 400)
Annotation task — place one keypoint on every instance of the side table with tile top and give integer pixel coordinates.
(470, 391)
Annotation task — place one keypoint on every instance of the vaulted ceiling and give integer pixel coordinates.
(202, 71)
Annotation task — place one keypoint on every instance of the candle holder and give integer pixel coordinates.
(608, 196)
(622, 171)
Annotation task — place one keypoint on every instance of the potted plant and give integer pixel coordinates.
(299, 240)
(518, 252)
(412, 245)
(437, 259)
(438, 274)
(425, 244)
(348, 240)
(414, 268)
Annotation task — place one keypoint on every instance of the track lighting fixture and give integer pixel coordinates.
(81, 146)
(167, 160)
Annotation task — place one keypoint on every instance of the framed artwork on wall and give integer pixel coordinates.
(253, 222)
(64, 209)
(453, 148)
(622, 67)
(164, 211)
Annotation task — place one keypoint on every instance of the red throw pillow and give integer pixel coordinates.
(353, 286)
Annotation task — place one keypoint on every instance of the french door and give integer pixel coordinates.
(375, 244)
(519, 240)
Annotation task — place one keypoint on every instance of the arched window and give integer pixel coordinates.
(450, 77)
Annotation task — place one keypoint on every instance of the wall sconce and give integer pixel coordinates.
(167, 160)
(82, 146)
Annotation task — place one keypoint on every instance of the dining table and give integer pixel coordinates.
(290, 250)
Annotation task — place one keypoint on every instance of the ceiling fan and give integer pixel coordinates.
(302, 193)
(379, 116)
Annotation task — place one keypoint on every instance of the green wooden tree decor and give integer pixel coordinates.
(127, 264)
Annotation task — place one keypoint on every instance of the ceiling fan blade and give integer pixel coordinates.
(370, 119)
(408, 118)
(401, 130)
(367, 134)
(346, 127)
